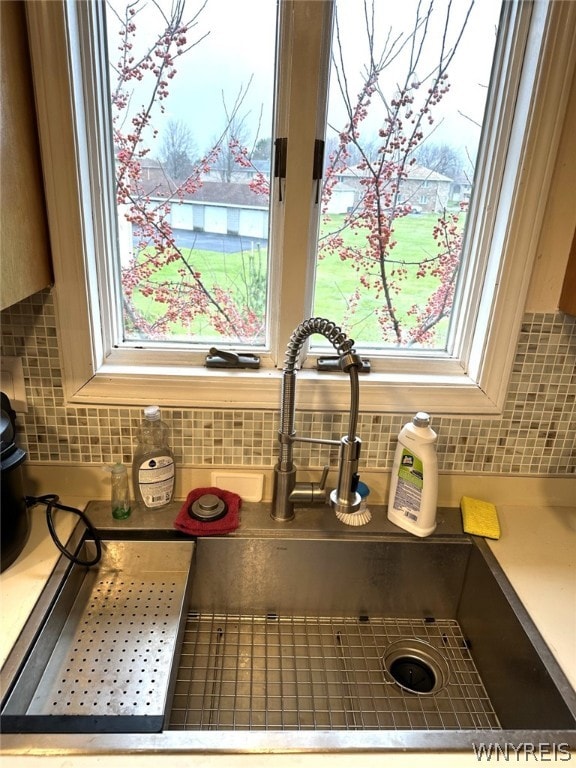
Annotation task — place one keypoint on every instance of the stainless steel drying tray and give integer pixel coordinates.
(107, 654)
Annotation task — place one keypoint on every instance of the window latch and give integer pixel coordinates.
(280, 159)
(332, 364)
(318, 167)
(221, 358)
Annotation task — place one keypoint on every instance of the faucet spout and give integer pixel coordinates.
(287, 491)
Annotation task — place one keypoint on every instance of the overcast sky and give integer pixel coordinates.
(240, 48)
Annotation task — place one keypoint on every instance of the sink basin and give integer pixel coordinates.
(274, 619)
(308, 639)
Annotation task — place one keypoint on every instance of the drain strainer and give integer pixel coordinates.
(416, 666)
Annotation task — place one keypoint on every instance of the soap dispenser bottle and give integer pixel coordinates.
(413, 495)
(153, 468)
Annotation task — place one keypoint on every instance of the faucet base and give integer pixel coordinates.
(282, 519)
(282, 506)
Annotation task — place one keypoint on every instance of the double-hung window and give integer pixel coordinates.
(217, 172)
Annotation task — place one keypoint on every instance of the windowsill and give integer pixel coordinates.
(194, 387)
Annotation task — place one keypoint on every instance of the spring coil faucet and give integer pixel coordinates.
(344, 499)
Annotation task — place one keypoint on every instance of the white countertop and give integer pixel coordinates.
(22, 583)
(537, 551)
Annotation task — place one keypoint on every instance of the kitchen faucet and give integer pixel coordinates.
(344, 499)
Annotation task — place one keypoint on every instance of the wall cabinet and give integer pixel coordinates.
(568, 296)
(25, 262)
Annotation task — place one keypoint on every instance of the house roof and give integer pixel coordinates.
(414, 173)
(227, 193)
(421, 173)
(157, 183)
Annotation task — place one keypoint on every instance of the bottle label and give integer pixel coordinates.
(410, 483)
(156, 480)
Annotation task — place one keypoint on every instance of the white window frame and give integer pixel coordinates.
(475, 383)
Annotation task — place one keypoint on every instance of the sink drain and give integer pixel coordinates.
(416, 666)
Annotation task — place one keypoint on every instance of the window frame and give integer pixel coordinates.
(474, 384)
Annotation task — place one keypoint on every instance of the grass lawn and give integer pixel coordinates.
(226, 270)
(336, 279)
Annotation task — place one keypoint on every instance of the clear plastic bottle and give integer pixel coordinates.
(413, 495)
(153, 468)
(120, 495)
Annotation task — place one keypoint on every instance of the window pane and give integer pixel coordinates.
(191, 87)
(408, 90)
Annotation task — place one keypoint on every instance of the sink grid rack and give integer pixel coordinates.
(318, 673)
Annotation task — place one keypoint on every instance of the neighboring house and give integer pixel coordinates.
(223, 208)
(344, 197)
(215, 207)
(461, 189)
(233, 208)
(424, 189)
(240, 174)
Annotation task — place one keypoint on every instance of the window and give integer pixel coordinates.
(407, 95)
(106, 360)
(190, 87)
(193, 168)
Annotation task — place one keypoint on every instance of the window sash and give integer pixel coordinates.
(475, 382)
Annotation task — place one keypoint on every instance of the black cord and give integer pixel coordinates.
(52, 502)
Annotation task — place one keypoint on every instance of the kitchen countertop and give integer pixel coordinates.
(537, 550)
(22, 583)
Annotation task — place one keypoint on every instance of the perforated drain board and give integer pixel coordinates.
(251, 672)
(111, 668)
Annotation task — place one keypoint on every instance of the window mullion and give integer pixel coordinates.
(305, 67)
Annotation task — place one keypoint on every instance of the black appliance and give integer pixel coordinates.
(14, 514)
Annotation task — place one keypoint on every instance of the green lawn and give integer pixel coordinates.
(226, 270)
(337, 280)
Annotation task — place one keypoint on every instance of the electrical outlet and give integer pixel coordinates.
(12, 382)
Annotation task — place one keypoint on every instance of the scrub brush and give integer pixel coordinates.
(360, 517)
(363, 514)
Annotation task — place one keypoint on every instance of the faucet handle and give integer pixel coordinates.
(310, 493)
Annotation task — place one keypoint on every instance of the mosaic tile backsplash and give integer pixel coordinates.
(535, 435)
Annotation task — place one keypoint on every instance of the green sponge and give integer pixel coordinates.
(480, 518)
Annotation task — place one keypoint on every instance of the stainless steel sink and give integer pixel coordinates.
(303, 614)
(313, 636)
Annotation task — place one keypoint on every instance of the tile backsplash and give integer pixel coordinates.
(535, 435)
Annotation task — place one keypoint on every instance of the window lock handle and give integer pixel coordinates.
(221, 358)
